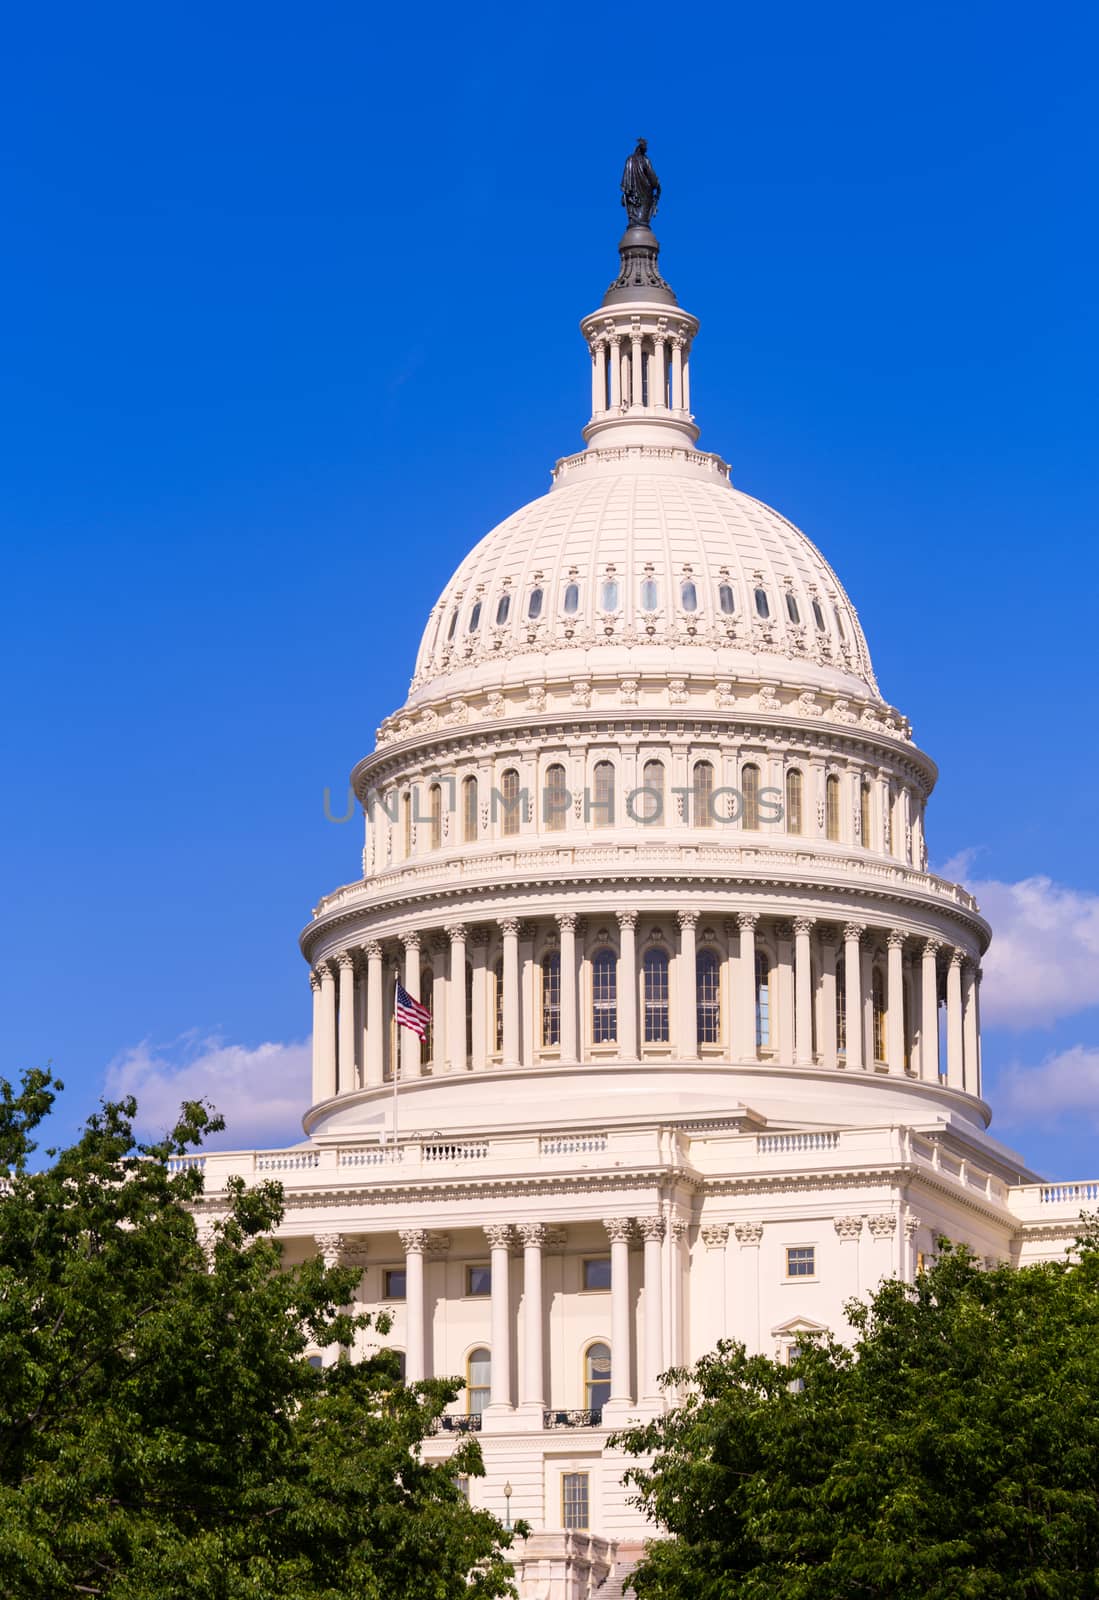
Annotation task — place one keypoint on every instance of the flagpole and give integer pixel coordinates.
(396, 1064)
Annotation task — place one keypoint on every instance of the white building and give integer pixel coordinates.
(705, 1056)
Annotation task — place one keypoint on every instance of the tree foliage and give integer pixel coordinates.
(162, 1435)
(952, 1453)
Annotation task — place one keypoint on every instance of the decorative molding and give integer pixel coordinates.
(413, 1240)
(620, 1230)
(652, 1228)
(883, 1225)
(714, 1235)
(748, 1233)
(847, 1227)
(499, 1235)
(532, 1234)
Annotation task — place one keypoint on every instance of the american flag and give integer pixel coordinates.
(410, 1013)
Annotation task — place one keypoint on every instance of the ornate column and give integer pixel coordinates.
(318, 1035)
(827, 1036)
(616, 372)
(627, 986)
(955, 1064)
(439, 1001)
(652, 1232)
(598, 383)
(528, 1034)
(784, 977)
(327, 1076)
(411, 1053)
(749, 1236)
(969, 1026)
(414, 1241)
(852, 1000)
(375, 1015)
(619, 1230)
(803, 992)
(677, 373)
(744, 1005)
(345, 966)
(498, 1235)
(456, 1023)
(637, 389)
(566, 922)
(509, 927)
(362, 1000)
(533, 1388)
(929, 1012)
(894, 1015)
(657, 379)
(479, 938)
(687, 986)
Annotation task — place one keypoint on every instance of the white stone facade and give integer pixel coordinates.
(705, 1048)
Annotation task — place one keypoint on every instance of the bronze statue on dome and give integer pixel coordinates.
(640, 187)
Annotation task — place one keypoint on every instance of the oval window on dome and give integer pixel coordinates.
(503, 606)
(571, 603)
(453, 625)
(792, 608)
(818, 615)
(763, 605)
(726, 599)
(839, 623)
(688, 596)
(649, 598)
(534, 604)
(475, 618)
(609, 594)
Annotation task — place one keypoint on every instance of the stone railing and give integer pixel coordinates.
(770, 1144)
(573, 1419)
(1053, 1202)
(458, 1423)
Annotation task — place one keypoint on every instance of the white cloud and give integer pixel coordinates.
(1043, 963)
(260, 1092)
(1064, 1085)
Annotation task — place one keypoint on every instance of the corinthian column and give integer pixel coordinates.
(929, 1013)
(969, 1026)
(894, 1015)
(566, 922)
(457, 1022)
(345, 965)
(627, 986)
(410, 1043)
(326, 1077)
(852, 977)
(619, 1230)
(499, 1238)
(955, 1067)
(652, 1232)
(744, 1006)
(375, 1016)
(318, 1032)
(533, 1235)
(803, 992)
(509, 928)
(414, 1241)
(688, 999)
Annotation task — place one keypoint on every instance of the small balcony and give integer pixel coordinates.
(460, 1422)
(573, 1419)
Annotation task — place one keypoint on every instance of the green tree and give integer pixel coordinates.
(952, 1453)
(161, 1433)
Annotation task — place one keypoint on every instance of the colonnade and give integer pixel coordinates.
(514, 993)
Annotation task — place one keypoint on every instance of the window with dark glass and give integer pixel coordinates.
(574, 1500)
(832, 807)
(551, 998)
(792, 608)
(726, 599)
(394, 1283)
(511, 804)
(479, 1279)
(749, 791)
(435, 798)
(572, 599)
(555, 799)
(703, 796)
(763, 605)
(604, 983)
(469, 810)
(801, 1261)
(794, 789)
(648, 594)
(478, 1381)
(763, 999)
(818, 615)
(708, 997)
(602, 806)
(877, 997)
(475, 617)
(597, 1272)
(654, 970)
(688, 596)
(534, 605)
(841, 1006)
(597, 1376)
(609, 594)
(498, 1005)
(453, 624)
(503, 606)
(649, 806)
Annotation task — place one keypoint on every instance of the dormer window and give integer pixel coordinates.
(763, 605)
(792, 608)
(726, 599)
(649, 596)
(818, 615)
(534, 604)
(475, 618)
(453, 625)
(609, 594)
(571, 603)
(688, 596)
(502, 609)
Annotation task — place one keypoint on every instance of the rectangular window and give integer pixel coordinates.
(597, 1272)
(479, 1279)
(801, 1261)
(574, 1500)
(394, 1281)
(462, 1481)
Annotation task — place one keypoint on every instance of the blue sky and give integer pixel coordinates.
(291, 303)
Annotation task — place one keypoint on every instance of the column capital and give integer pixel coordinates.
(882, 1226)
(847, 1227)
(566, 921)
(329, 1247)
(619, 1229)
(626, 919)
(499, 1235)
(957, 956)
(803, 926)
(912, 1225)
(345, 961)
(533, 1234)
(455, 932)
(411, 941)
(314, 980)
(854, 931)
(714, 1235)
(509, 926)
(372, 949)
(748, 1232)
(687, 919)
(413, 1241)
(931, 947)
(895, 939)
(651, 1228)
(746, 921)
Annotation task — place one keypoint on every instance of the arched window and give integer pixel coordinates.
(427, 984)
(877, 991)
(763, 605)
(703, 794)
(452, 625)
(510, 801)
(749, 792)
(792, 608)
(551, 998)
(406, 816)
(763, 999)
(534, 605)
(708, 996)
(475, 618)
(469, 810)
(841, 1006)
(608, 594)
(602, 805)
(478, 1381)
(654, 970)
(597, 1376)
(864, 813)
(435, 798)
(793, 801)
(818, 616)
(688, 596)
(650, 805)
(571, 603)
(726, 598)
(503, 606)
(604, 997)
(498, 1005)
(649, 597)
(555, 799)
(832, 807)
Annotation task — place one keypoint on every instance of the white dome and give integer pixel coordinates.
(639, 559)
